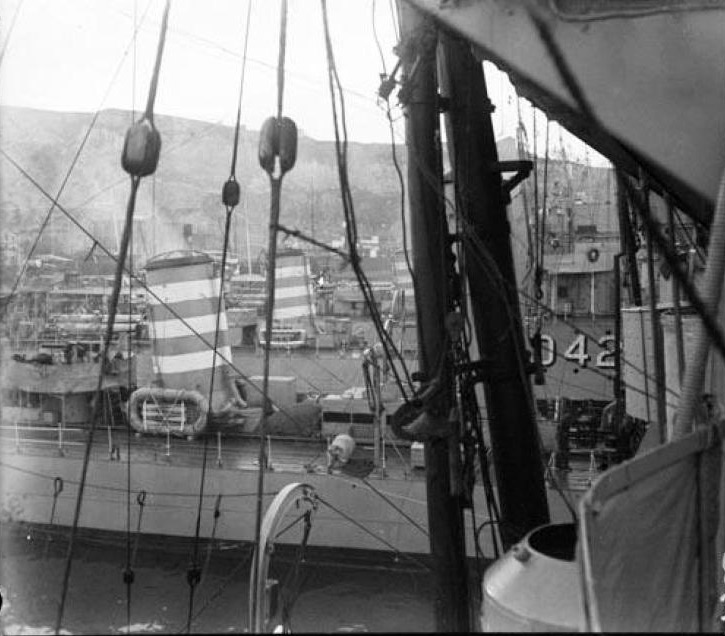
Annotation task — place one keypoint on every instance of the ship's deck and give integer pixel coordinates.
(240, 451)
(361, 506)
(229, 450)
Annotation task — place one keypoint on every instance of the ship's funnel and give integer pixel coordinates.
(183, 299)
(293, 290)
(294, 307)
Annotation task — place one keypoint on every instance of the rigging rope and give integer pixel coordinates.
(377, 537)
(469, 412)
(384, 93)
(394, 506)
(542, 238)
(275, 188)
(349, 213)
(123, 249)
(713, 329)
(223, 586)
(74, 161)
(393, 15)
(149, 291)
(10, 31)
(116, 489)
(523, 153)
(241, 93)
(193, 573)
(481, 250)
(377, 41)
(212, 539)
(430, 178)
(135, 181)
(568, 323)
(230, 198)
(537, 229)
(493, 270)
(289, 594)
(490, 267)
(128, 574)
(560, 492)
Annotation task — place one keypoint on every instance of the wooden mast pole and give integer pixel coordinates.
(494, 297)
(429, 235)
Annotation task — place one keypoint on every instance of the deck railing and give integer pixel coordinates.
(42, 435)
(26, 435)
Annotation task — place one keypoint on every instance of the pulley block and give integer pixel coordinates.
(278, 138)
(231, 193)
(141, 149)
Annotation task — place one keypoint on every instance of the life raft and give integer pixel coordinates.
(177, 412)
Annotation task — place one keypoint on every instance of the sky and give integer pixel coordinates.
(80, 55)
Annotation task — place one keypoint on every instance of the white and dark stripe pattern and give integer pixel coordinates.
(294, 296)
(182, 284)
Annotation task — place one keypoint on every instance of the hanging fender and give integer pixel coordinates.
(182, 413)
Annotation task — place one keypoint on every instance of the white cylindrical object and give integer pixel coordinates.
(342, 448)
(293, 289)
(183, 305)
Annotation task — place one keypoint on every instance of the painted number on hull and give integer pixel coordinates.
(605, 359)
(577, 351)
(548, 350)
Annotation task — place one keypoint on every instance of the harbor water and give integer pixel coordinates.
(335, 594)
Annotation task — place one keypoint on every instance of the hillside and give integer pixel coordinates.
(195, 159)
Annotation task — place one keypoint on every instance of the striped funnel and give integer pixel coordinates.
(294, 296)
(183, 286)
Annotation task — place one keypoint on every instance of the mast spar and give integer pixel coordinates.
(430, 251)
(493, 295)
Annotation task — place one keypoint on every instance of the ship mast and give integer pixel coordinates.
(481, 201)
(429, 241)
(481, 198)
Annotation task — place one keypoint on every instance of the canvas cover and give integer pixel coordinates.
(650, 537)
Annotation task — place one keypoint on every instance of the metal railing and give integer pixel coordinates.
(42, 435)
(229, 450)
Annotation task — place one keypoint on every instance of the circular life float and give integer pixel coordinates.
(160, 411)
(593, 255)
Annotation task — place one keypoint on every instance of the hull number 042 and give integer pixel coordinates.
(578, 351)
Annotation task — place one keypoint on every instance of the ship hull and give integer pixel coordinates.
(387, 514)
(578, 359)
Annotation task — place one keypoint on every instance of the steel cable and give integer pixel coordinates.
(74, 161)
(123, 249)
(275, 190)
